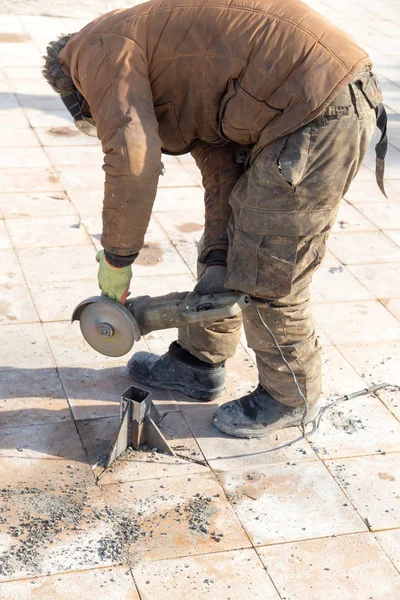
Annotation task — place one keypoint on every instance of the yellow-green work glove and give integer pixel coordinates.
(113, 281)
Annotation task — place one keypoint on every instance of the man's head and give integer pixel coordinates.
(63, 85)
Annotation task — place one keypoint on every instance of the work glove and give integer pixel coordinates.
(212, 282)
(113, 281)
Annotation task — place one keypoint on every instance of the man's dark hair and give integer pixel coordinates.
(52, 70)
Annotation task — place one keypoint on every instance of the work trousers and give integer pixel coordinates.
(283, 208)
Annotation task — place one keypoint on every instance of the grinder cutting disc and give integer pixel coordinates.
(107, 325)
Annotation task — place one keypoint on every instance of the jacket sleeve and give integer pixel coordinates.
(220, 173)
(111, 72)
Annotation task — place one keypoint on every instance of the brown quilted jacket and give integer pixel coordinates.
(167, 73)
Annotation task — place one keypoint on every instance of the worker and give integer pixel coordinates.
(277, 106)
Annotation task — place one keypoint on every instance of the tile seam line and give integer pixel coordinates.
(318, 537)
(363, 343)
(372, 454)
(382, 547)
(174, 246)
(43, 148)
(388, 408)
(244, 529)
(307, 460)
(60, 573)
(362, 264)
(350, 203)
(116, 565)
(344, 492)
(356, 457)
(340, 488)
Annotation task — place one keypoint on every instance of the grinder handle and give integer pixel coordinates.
(214, 307)
(182, 308)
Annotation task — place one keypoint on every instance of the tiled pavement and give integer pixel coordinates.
(284, 517)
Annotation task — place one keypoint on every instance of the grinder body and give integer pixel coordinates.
(112, 328)
(182, 308)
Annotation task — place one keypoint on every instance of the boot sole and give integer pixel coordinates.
(205, 397)
(248, 434)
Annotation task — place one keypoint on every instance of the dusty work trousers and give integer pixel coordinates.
(283, 209)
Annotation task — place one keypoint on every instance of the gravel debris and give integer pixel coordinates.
(200, 511)
(46, 518)
(126, 530)
(347, 423)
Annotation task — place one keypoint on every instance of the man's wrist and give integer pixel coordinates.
(119, 261)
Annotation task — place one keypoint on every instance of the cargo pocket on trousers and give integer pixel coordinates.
(263, 249)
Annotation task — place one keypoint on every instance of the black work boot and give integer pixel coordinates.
(179, 370)
(258, 414)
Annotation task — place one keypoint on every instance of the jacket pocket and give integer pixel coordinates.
(242, 117)
(168, 128)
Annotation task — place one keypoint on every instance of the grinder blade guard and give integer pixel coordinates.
(112, 328)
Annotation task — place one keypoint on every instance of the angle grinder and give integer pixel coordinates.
(112, 328)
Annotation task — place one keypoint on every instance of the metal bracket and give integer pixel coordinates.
(139, 420)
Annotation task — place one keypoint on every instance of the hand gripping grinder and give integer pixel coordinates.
(112, 328)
